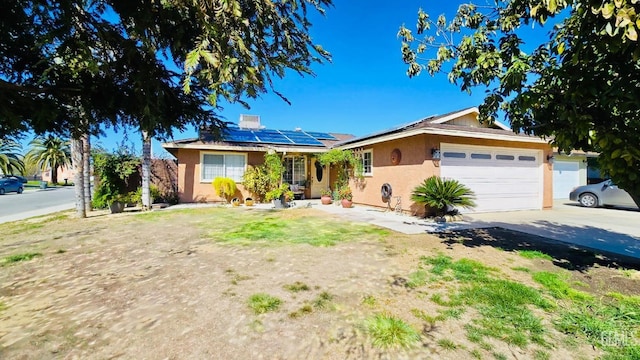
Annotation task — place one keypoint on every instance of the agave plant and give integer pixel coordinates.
(442, 194)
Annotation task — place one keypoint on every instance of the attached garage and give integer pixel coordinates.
(502, 179)
(566, 176)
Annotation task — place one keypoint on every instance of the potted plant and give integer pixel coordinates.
(325, 196)
(346, 196)
(248, 201)
(280, 196)
(235, 202)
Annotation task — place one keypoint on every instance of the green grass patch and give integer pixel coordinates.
(18, 258)
(3, 306)
(534, 254)
(304, 310)
(463, 269)
(296, 287)
(369, 300)
(447, 344)
(262, 303)
(504, 306)
(387, 331)
(323, 300)
(431, 320)
(282, 228)
(417, 279)
(558, 286)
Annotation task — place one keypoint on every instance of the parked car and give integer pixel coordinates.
(10, 185)
(605, 193)
(22, 179)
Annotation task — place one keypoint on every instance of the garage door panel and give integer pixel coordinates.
(499, 185)
(566, 176)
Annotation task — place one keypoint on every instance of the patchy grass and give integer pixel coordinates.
(304, 310)
(611, 324)
(262, 303)
(18, 258)
(504, 306)
(268, 228)
(534, 254)
(521, 269)
(447, 344)
(417, 279)
(388, 331)
(558, 286)
(369, 300)
(323, 301)
(296, 287)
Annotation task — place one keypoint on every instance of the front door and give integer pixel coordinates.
(319, 178)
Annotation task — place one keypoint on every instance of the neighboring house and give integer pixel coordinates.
(507, 171)
(570, 171)
(202, 159)
(63, 173)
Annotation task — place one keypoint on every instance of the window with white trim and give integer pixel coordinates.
(367, 162)
(225, 165)
(295, 170)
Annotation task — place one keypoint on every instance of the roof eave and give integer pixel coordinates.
(227, 147)
(445, 132)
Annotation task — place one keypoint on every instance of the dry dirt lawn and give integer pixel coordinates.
(163, 285)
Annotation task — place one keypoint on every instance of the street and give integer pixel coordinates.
(15, 206)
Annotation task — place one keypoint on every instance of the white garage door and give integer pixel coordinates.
(503, 179)
(566, 176)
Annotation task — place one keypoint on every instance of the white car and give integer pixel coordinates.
(603, 194)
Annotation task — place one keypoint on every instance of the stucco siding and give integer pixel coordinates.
(190, 186)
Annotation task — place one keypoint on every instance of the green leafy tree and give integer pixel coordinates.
(82, 65)
(580, 88)
(442, 195)
(115, 180)
(10, 156)
(50, 152)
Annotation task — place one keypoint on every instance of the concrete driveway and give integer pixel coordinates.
(613, 230)
(610, 230)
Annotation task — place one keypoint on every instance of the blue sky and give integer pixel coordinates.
(363, 90)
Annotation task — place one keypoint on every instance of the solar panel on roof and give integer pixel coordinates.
(272, 137)
(321, 135)
(300, 138)
(239, 135)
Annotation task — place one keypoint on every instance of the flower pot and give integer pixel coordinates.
(346, 203)
(235, 202)
(280, 203)
(116, 207)
(326, 199)
(248, 202)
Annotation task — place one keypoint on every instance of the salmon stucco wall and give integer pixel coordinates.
(191, 189)
(416, 164)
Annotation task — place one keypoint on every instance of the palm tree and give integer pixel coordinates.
(10, 157)
(443, 195)
(50, 152)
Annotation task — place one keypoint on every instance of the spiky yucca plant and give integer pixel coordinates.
(441, 194)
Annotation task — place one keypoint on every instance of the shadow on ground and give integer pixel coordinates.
(570, 256)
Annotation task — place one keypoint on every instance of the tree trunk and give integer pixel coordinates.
(146, 170)
(54, 175)
(86, 159)
(78, 175)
